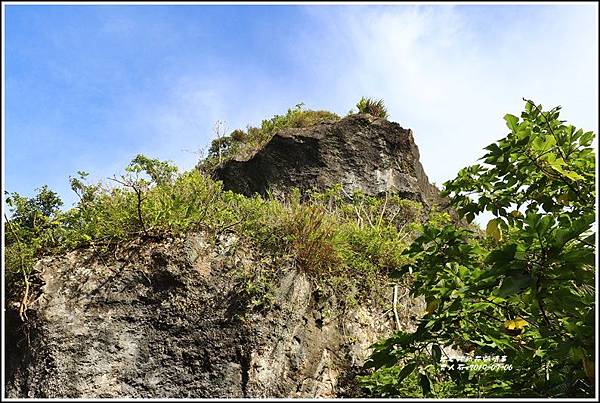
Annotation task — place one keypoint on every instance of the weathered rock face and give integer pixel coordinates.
(360, 151)
(169, 318)
(166, 320)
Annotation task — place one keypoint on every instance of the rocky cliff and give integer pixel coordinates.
(166, 319)
(360, 152)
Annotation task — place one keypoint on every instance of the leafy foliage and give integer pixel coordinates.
(372, 107)
(297, 117)
(27, 235)
(30, 214)
(526, 290)
(159, 172)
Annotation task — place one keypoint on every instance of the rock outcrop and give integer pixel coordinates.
(360, 152)
(169, 318)
(165, 319)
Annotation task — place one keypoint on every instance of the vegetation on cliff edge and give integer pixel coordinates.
(347, 243)
(245, 142)
(242, 143)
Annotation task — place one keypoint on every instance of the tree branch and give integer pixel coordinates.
(549, 127)
(138, 193)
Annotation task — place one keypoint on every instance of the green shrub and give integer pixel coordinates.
(296, 117)
(311, 232)
(372, 107)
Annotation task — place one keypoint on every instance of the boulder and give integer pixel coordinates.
(360, 152)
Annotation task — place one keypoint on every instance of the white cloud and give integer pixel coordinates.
(450, 73)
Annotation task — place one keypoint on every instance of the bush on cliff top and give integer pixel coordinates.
(242, 142)
(372, 107)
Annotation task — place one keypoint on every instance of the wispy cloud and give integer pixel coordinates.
(445, 71)
(450, 73)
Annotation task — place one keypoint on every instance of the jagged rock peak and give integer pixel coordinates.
(360, 152)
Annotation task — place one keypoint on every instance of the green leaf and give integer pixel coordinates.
(425, 383)
(502, 256)
(574, 176)
(493, 230)
(382, 358)
(406, 371)
(578, 257)
(511, 121)
(577, 227)
(513, 284)
(586, 138)
(555, 162)
(543, 143)
(576, 353)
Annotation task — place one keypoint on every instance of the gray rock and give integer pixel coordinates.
(360, 152)
(167, 323)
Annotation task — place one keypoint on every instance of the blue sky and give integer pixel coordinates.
(89, 87)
